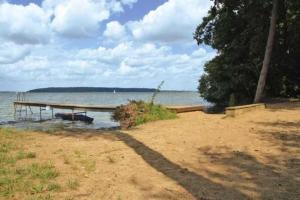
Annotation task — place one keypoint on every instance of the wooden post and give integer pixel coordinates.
(40, 113)
(72, 114)
(20, 113)
(30, 110)
(15, 110)
(52, 113)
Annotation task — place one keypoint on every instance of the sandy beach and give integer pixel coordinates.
(197, 156)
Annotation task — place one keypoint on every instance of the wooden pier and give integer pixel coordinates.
(93, 108)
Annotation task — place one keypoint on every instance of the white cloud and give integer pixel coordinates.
(32, 24)
(114, 30)
(199, 52)
(23, 24)
(11, 53)
(128, 2)
(126, 69)
(79, 18)
(116, 6)
(128, 64)
(174, 21)
(27, 57)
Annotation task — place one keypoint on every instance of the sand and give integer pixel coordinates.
(197, 156)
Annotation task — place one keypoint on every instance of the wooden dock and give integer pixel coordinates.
(95, 108)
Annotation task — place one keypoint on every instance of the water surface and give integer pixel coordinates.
(94, 98)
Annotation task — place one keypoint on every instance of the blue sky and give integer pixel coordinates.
(113, 43)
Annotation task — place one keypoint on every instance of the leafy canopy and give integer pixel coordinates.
(238, 30)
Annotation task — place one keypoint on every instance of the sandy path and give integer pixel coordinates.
(197, 156)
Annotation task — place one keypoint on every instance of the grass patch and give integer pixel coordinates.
(54, 187)
(153, 113)
(39, 188)
(25, 155)
(7, 159)
(6, 146)
(29, 181)
(73, 184)
(42, 171)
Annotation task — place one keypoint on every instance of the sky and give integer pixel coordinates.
(101, 43)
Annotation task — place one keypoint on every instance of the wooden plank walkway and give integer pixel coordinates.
(98, 108)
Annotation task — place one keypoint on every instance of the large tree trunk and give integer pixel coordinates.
(268, 53)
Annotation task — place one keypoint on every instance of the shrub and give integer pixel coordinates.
(139, 112)
(126, 115)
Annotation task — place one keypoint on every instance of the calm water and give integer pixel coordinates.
(98, 98)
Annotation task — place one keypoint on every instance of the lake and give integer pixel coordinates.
(94, 98)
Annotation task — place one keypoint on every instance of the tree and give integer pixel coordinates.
(238, 30)
(264, 71)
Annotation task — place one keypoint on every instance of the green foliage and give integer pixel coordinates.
(140, 112)
(238, 30)
(153, 113)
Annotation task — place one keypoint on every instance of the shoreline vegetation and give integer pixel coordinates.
(195, 156)
(139, 112)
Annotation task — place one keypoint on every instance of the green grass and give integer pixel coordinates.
(73, 184)
(154, 113)
(42, 171)
(25, 155)
(54, 187)
(7, 159)
(27, 180)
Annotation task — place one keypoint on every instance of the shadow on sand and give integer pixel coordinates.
(189, 180)
(277, 177)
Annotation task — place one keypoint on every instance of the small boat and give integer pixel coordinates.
(74, 117)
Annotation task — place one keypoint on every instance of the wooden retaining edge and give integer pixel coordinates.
(294, 100)
(237, 110)
(183, 109)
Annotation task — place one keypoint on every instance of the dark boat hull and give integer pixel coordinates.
(74, 117)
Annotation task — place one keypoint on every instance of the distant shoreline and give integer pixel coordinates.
(93, 89)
